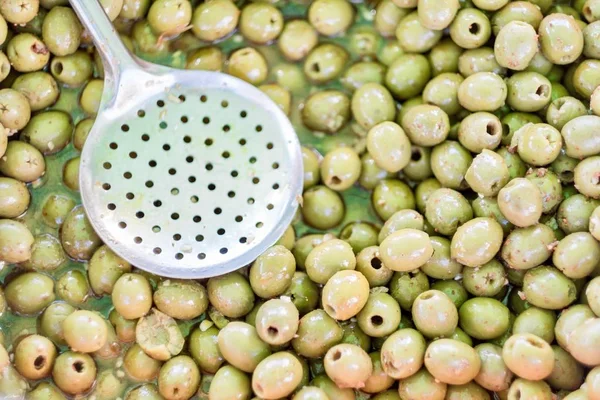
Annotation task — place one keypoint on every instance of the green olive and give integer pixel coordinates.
(452, 362)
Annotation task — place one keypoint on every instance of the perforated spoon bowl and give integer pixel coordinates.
(186, 174)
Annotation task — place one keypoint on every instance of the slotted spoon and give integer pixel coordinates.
(186, 174)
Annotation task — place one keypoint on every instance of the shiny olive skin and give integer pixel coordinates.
(484, 318)
(317, 333)
(525, 248)
(402, 353)
(452, 362)
(434, 314)
(477, 241)
(494, 374)
(528, 356)
(547, 287)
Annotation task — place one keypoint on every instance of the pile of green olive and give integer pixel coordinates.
(448, 241)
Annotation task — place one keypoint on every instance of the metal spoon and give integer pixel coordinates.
(185, 174)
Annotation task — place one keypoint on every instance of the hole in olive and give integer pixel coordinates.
(389, 364)
(518, 394)
(415, 155)
(505, 130)
(543, 91)
(315, 67)
(376, 320)
(330, 310)
(427, 296)
(272, 331)
(39, 362)
(474, 28)
(566, 175)
(57, 68)
(491, 129)
(78, 366)
(375, 263)
(335, 180)
(535, 342)
(346, 233)
(337, 355)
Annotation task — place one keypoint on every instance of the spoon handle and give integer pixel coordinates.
(115, 56)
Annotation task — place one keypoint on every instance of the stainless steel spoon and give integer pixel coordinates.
(185, 174)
